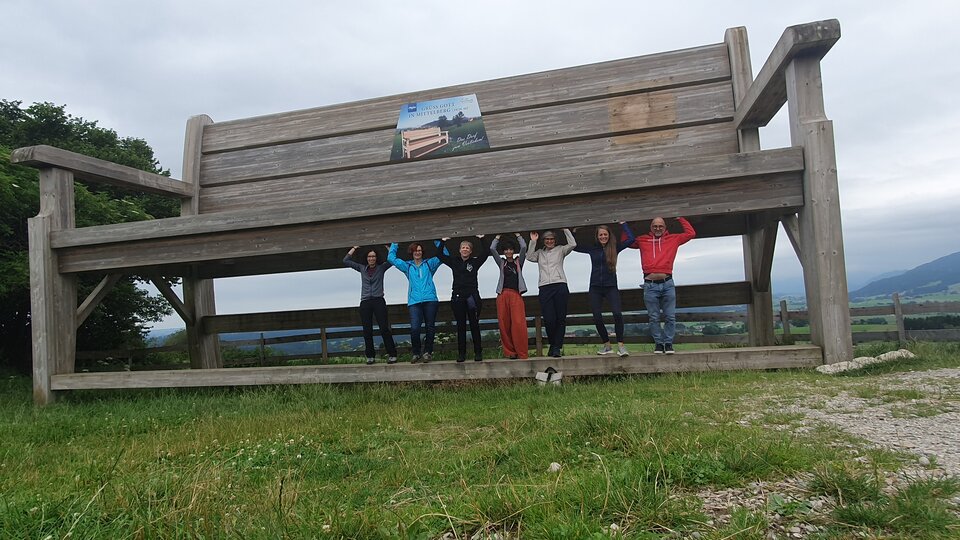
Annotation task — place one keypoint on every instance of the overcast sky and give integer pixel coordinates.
(143, 68)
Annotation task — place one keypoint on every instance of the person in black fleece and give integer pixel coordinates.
(465, 300)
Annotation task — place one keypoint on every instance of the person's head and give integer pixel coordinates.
(549, 239)
(416, 251)
(603, 235)
(466, 249)
(508, 249)
(658, 226)
(372, 258)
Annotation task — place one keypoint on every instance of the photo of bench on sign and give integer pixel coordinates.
(439, 127)
(420, 142)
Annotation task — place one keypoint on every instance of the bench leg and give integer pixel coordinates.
(198, 296)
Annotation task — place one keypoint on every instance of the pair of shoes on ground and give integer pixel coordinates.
(477, 357)
(390, 360)
(418, 359)
(662, 348)
(606, 349)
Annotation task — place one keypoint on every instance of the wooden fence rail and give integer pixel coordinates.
(326, 334)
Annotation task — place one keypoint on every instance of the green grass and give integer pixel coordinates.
(420, 460)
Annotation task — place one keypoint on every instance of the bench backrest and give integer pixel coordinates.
(653, 108)
(414, 134)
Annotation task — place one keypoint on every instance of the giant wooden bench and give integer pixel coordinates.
(661, 135)
(427, 140)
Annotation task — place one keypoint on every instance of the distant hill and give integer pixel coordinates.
(932, 277)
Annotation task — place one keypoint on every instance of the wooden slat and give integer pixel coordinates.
(715, 294)
(781, 191)
(99, 293)
(636, 113)
(98, 170)
(796, 356)
(467, 174)
(185, 315)
(768, 92)
(553, 182)
(569, 85)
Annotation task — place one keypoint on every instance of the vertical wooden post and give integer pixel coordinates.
(198, 294)
(824, 268)
(324, 351)
(901, 327)
(53, 296)
(538, 334)
(760, 240)
(785, 323)
(260, 350)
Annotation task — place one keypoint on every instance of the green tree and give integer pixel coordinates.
(121, 318)
(459, 119)
(443, 121)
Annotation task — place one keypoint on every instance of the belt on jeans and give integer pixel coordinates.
(664, 280)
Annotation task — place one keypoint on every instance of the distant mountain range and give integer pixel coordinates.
(933, 277)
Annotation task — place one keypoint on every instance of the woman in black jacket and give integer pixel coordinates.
(466, 295)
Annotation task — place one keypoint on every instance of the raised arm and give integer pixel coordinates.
(350, 263)
(523, 248)
(626, 237)
(571, 242)
(689, 233)
(532, 254)
(493, 251)
(392, 258)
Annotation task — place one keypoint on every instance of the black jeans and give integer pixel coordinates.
(612, 294)
(553, 307)
(370, 308)
(463, 313)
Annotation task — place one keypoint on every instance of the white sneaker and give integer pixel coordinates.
(426, 357)
(605, 350)
(622, 351)
(370, 361)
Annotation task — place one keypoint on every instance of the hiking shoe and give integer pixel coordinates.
(557, 353)
(622, 351)
(427, 357)
(392, 360)
(668, 348)
(658, 349)
(370, 361)
(415, 359)
(605, 350)
(513, 357)
(478, 357)
(462, 359)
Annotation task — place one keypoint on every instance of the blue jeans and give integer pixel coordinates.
(661, 297)
(424, 312)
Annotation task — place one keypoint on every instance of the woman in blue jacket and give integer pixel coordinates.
(422, 298)
(603, 283)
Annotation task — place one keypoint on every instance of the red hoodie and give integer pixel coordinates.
(657, 254)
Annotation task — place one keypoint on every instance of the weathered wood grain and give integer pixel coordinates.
(574, 179)
(96, 296)
(569, 85)
(797, 356)
(714, 294)
(635, 113)
(98, 170)
(821, 230)
(768, 92)
(778, 191)
(518, 167)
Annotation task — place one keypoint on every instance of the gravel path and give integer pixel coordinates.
(916, 413)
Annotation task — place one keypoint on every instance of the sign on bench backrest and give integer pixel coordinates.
(645, 109)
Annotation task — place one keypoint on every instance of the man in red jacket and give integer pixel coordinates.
(658, 249)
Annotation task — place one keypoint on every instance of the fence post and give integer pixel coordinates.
(323, 343)
(538, 334)
(898, 313)
(785, 322)
(261, 351)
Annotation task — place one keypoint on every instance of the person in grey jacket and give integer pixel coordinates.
(511, 313)
(553, 285)
(372, 303)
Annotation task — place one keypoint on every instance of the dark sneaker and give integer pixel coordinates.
(478, 357)
(370, 361)
(427, 357)
(513, 357)
(392, 360)
(658, 349)
(415, 359)
(557, 353)
(668, 348)
(462, 359)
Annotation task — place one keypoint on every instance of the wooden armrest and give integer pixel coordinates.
(768, 92)
(98, 170)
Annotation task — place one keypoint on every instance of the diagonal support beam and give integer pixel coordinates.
(764, 241)
(171, 297)
(99, 293)
(791, 226)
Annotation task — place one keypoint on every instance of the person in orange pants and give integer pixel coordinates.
(511, 314)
